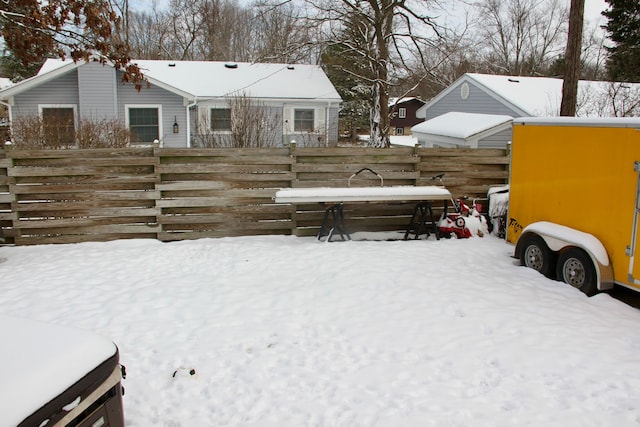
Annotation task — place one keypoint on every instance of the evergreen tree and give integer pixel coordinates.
(623, 27)
(349, 71)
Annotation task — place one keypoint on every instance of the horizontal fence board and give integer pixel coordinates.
(81, 222)
(19, 171)
(68, 196)
(79, 238)
(223, 168)
(80, 154)
(97, 196)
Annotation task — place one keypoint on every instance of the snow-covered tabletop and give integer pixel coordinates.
(361, 194)
(39, 361)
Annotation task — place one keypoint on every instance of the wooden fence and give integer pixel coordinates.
(68, 196)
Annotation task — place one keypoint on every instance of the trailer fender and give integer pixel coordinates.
(558, 237)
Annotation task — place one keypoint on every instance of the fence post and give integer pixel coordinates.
(156, 187)
(416, 165)
(13, 209)
(294, 178)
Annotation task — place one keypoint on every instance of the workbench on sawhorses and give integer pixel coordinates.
(335, 198)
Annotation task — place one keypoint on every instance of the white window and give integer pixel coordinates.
(220, 119)
(59, 124)
(144, 122)
(402, 113)
(399, 131)
(303, 120)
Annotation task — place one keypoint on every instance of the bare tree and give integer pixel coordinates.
(521, 37)
(32, 131)
(281, 34)
(381, 33)
(148, 32)
(609, 99)
(251, 124)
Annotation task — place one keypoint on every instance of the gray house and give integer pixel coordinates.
(187, 103)
(530, 97)
(465, 130)
(476, 110)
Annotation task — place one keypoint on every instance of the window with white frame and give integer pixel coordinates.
(402, 113)
(303, 120)
(220, 119)
(399, 131)
(144, 122)
(58, 124)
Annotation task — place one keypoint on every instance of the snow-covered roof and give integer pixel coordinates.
(213, 79)
(403, 140)
(542, 96)
(394, 101)
(460, 125)
(5, 83)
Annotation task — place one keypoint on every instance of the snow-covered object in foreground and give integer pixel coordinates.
(498, 207)
(52, 374)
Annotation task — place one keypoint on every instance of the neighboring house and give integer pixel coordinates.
(404, 115)
(464, 130)
(531, 97)
(493, 100)
(187, 101)
(4, 112)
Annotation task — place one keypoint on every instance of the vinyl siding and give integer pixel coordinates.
(497, 140)
(478, 102)
(173, 109)
(97, 91)
(63, 90)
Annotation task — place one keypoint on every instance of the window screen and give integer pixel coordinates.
(144, 124)
(220, 119)
(303, 121)
(58, 125)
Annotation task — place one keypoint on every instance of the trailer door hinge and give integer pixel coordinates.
(627, 251)
(636, 166)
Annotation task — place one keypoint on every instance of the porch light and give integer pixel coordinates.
(176, 127)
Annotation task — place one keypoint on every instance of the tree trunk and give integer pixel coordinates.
(572, 59)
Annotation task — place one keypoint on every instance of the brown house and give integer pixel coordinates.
(404, 115)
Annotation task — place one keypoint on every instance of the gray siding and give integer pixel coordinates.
(317, 139)
(97, 91)
(497, 140)
(173, 109)
(478, 102)
(333, 126)
(63, 90)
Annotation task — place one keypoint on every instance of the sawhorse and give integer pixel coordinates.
(422, 213)
(336, 212)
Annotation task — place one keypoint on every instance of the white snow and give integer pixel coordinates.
(542, 96)
(213, 79)
(460, 125)
(286, 331)
(361, 194)
(39, 361)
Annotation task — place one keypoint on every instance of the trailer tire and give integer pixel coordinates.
(576, 268)
(537, 255)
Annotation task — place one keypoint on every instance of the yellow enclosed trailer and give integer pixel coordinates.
(573, 203)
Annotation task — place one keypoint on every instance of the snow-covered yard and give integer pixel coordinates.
(286, 331)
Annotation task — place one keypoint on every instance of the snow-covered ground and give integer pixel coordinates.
(286, 331)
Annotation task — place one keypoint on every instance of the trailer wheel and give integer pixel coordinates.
(537, 255)
(576, 268)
